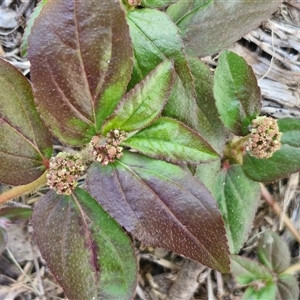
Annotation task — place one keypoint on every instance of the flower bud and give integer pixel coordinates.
(109, 150)
(264, 137)
(64, 171)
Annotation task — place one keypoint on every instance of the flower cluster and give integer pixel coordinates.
(64, 170)
(108, 150)
(264, 137)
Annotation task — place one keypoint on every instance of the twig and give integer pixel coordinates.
(23, 273)
(210, 293)
(37, 267)
(273, 48)
(274, 205)
(140, 293)
(220, 284)
(289, 192)
(187, 281)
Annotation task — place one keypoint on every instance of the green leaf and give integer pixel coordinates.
(144, 103)
(26, 144)
(156, 3)
(170, 140)
(236, 92)
(266, 291)
(238, 197)
(247, 271)
(208, 26)
(15, 213)
(33, 16)
(287, 287)
(163, 206)
(209, 124)
(89, 254)
(208, 172)
(284, 161)
(273, 252)
(153, 45)
(80, 65)
(3, 239)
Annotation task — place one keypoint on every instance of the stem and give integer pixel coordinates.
(292, 269)
(187, 281)
(274, 205)
(240, 142)
(234, 151)
(23, 189)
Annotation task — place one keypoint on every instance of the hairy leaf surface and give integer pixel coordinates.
(247, 270)
(273, 252)
(208, 172)
(266, 291)
(209, 124)
(237, 94)
(208, 26)
(80, 54)
(170, 140)
(287, 287)
(162, 205)
(33, 16)
(284, 161)
(152, 45)
(157, 3)
(191, 93)
(89, 254)
(15, 213)
(238, 197)
(155, 38)
(144, 103)
(26, 143)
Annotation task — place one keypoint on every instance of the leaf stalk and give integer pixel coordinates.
(23, 189)
(292, 269)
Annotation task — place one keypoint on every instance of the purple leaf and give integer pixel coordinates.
(26, 143)
(89, 254)
(162, 205)
(80, 54)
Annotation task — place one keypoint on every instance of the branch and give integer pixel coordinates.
(187, 281)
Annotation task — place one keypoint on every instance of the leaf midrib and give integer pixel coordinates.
(167, 208)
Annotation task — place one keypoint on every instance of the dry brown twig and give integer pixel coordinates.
(187, 281)
(275, 206)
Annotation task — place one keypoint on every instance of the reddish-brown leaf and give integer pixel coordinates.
(89, 254)
(162, 205)
(80, 54)
(25, 141)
